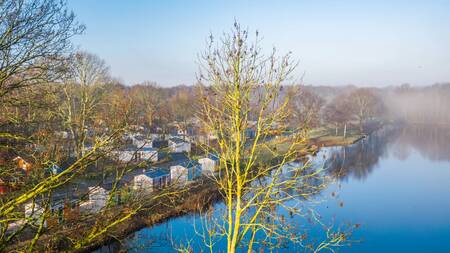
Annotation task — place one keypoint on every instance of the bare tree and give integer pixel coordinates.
(304, 106)
(34, 35)
(83, 91)
(364, 104)
(337, 114)
(235, 79)
(183, 106)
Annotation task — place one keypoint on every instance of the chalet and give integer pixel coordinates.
(4, 187)
(34, 212)
(178, 145)
(63, 134)
(141, 141)
(155, 136)
(61, 205)
(160, 143)
(55, 169)
(176, 128)
(151, 179)
(97, 199)
(22, 164)
(209, 164)
(137, 154)
(185, 171)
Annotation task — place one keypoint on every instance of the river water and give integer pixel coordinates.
(393, 188)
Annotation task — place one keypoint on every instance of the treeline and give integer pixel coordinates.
(428, 105)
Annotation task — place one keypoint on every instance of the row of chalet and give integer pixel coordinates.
(66, 202)
(143, 148)
(91, 198)
(180, 173)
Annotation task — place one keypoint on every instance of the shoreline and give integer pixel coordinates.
(314, 146)
(201, 195)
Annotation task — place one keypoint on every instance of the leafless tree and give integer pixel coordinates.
(364, 104)
(305, 106)
(34, 35)
(241, 89)
(83, 91)
(337, 114)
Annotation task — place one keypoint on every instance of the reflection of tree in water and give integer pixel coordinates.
(359, 159)
(431, 141)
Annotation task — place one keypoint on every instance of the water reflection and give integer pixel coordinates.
(432, 143)
(394, 183)
(359, 160)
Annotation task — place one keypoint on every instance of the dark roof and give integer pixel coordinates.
(213, 157)
(159, 143)
(139, 138)
(156, 172)
(189, 163)
(148, 149)
(134, 148)
(177, 140)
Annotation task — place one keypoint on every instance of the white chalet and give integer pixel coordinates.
(151, 179)
(34, 212)
(137, 154)
(178, 145)
(141, 141)
(209, 164)
(185, 172)
(97, 200)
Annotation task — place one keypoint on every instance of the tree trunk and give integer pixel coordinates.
(345, 130)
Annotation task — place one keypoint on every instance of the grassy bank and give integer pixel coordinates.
(317, 138)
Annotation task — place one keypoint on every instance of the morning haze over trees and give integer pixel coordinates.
(86, 160)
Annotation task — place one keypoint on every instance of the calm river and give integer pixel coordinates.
(393, 187)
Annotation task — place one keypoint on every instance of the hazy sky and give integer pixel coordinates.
(336, 42)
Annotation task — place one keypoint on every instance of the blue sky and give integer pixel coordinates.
(374, 43)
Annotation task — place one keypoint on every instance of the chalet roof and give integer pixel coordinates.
(134, 149)
(189, 164)
(148, 149)
(156, 172)
(213, 157)
(177, 140)
(139, 138)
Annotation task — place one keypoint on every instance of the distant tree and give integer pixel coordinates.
(83, 91)
(336, 113)
(364, 104)
(118, 108)
(147, 98)
(304, 106)
(183, 105)
(424, 105)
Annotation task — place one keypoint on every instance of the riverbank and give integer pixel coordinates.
(209, 192)
(206, 192)
(315, 139)
(201, 194)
